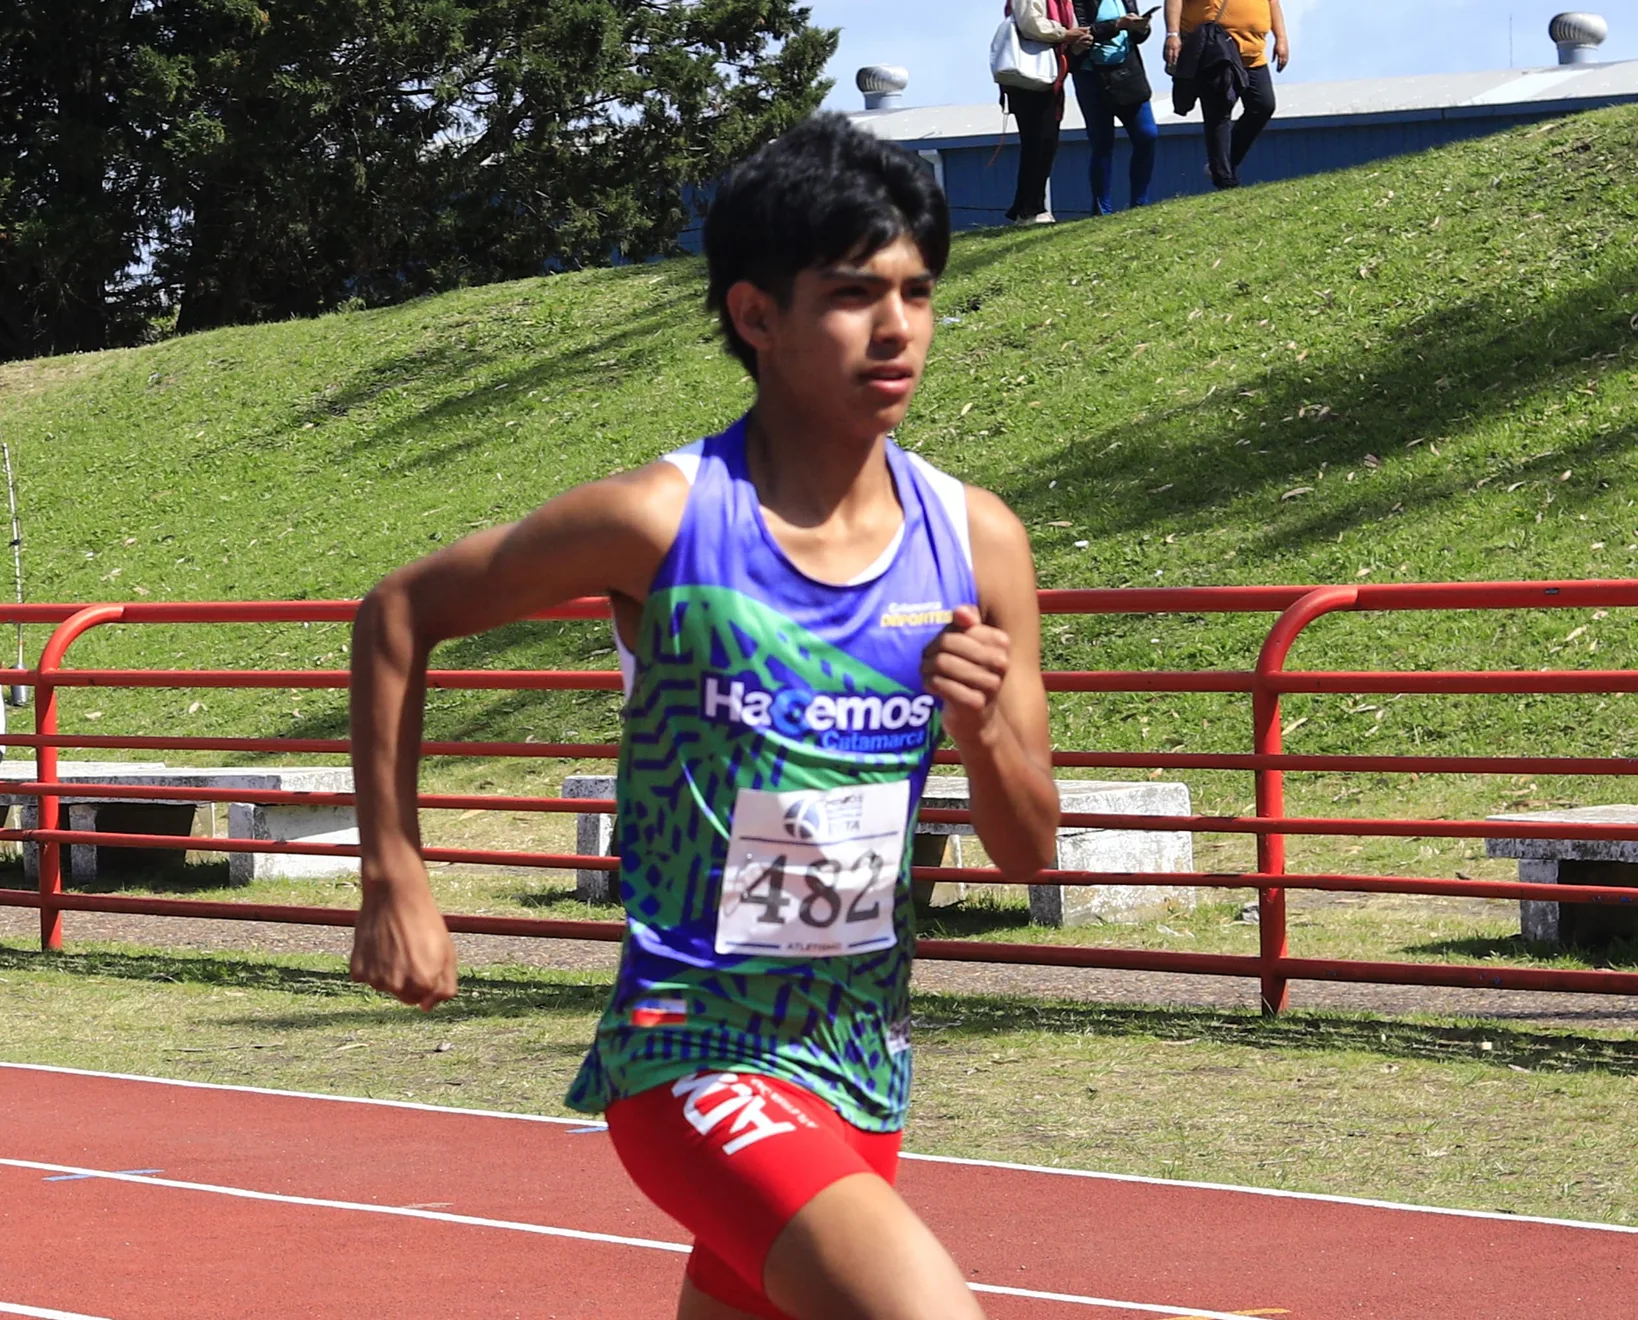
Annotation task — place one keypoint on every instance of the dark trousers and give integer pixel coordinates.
(1037, 114)
(1227, 142)
(1100, 115)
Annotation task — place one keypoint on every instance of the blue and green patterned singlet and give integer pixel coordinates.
(776, 712)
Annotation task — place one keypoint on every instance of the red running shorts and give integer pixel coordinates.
(732, 1157)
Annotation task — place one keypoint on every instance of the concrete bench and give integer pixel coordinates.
(1611, 862)
(23, 772)
(246, 820)
(1051, 905)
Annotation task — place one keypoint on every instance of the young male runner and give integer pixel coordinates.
(801, 608)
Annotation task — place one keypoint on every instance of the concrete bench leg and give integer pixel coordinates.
(290, 824)
(82, 857)
(1537, 920)
(1583, 925)
(593, 837)
(85, 862)
(28, 818)
(928, 850)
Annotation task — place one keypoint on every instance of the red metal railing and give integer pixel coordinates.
(1296, 608)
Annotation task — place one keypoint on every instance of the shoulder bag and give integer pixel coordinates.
(1016, 61)
(1126, 83)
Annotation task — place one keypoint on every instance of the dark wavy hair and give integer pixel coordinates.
(824, 191)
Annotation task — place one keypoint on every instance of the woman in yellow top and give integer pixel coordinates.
(1249, 23)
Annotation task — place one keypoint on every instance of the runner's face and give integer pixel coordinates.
(851, 344)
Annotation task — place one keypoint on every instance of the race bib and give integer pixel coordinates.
(813, 873)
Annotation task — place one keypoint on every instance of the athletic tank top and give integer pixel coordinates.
(776, 738)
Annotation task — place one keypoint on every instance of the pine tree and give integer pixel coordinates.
(243, 161)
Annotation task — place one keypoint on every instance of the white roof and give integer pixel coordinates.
(1411, 97)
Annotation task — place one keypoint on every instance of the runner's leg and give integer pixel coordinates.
(757, 1168)
(858, 1252)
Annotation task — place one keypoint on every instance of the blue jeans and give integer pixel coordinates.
(1139, 121)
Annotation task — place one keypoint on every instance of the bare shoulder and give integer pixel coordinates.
(608, 535)
(648, 500)
(993, 524)
(643, 507)
(1003, 564)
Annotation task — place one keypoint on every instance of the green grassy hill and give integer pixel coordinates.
(1425, 369)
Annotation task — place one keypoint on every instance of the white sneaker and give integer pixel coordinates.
(1044, 218)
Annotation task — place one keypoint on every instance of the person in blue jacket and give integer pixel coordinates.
(1110, 84)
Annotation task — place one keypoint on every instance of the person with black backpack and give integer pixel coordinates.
(1110, 84)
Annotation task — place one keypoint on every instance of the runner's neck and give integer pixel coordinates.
(830, 502)
(809, 479)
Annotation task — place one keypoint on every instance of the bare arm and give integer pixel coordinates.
(986, 668)
(608, 536)
(1282, 47)
(1174, 30)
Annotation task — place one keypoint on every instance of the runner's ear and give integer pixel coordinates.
(752, 309)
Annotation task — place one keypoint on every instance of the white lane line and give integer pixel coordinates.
(510, 1225)
(1145, 1308)
(581, 1122)
(403, 1212)
(1276, 1193)
(42, 1312)
(416, 1105)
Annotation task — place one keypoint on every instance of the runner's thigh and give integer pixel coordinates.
(858, 1252)
(734, 1157)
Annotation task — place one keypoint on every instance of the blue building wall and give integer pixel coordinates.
(979, 175)
(979, 179)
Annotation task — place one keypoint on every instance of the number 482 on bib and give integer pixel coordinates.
(813, 873)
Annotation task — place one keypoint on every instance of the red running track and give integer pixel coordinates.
(137, 1199)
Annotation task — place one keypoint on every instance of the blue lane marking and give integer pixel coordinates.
(594, 1127)
(75, 1177)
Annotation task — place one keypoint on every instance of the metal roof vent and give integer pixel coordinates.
(1578, 36)
(883, 85)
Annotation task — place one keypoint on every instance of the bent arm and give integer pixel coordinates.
(1031, 18)
(605, 537)
(1009, 760)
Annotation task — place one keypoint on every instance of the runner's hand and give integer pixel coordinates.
(402, 947)
(1282, 54)
(964, 667)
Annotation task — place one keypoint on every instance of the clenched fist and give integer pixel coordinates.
(402, 947)
(964, 666)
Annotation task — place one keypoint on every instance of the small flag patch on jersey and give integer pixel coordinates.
(660, 1013)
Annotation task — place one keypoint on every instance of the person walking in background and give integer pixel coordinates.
(1110, 84)
(1051, 22)
(1194, 29)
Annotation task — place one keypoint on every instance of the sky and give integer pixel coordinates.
(946, 45)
